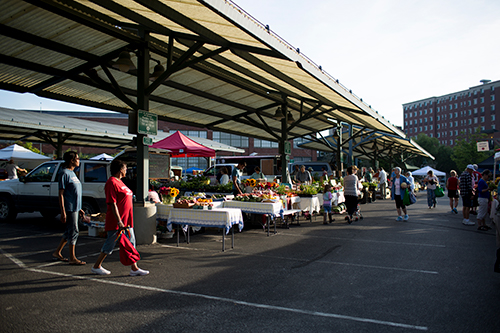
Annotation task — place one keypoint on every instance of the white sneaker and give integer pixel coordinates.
(100, 271)
(468, 222)
(138, 272)
(406, 217)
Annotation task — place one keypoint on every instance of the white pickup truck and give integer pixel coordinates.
(38, 191)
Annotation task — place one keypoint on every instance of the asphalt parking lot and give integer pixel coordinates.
(376, 275)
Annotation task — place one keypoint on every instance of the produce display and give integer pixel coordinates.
(257, 197)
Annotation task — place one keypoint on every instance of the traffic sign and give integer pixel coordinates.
(147, 141)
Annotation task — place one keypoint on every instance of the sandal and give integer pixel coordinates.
(482, 228)
(61, 258)
(77, 262)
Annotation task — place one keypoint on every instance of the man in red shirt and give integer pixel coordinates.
(476, 176)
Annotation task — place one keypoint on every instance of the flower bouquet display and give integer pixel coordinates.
(168, 194)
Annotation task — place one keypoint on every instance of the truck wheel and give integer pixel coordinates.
(89, 208)
(8, 212)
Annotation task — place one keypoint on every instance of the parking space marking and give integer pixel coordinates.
(27, 237)
(307, 260)
(238, 302)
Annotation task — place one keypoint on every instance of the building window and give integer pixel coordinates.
(456, 132)
(415, 114)
(482, 128)
(425, 120)
(420, 120)
(470, 112)
(438, 117)
(425, 128)
(406, 115)
(470, 121)
(492, 108)
(456, 114)
(439, 135)
(451, 142)
(431, 135)
(475, 101)
(430, 126)
(420, 128)
(231, 139)
(438, 126)
(482, 100)
(493, 126)
(469, 103)
(451, 124)
(492, 97)
(456, 123)
(257, 143)
(475, 120)
(420, 112)
(475, 110)
(482, 119)
(492, 117)
(298, 141)
(198, 134)
(430, 119)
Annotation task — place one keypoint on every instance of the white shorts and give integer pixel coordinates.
(482, 210)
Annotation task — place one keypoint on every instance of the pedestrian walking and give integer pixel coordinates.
(351, 192)
(431, 182)
(465, 185)
(70, 204)
(399, 184)
(119, 215)
(382, 179)
(453, 194)
(484, 194)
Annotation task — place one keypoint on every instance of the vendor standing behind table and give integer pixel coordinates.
(12, 170)
(257, 174)
(304, 176)
(382, 178)
(224, 179)
(236, 177)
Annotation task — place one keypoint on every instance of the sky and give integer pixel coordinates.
(388, 52)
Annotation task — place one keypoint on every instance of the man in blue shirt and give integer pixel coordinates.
(483, 192)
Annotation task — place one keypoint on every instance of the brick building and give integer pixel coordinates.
(250, 145)
(449, 116)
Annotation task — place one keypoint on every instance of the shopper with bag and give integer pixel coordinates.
(398, 190)
(119, 222)
(431, 182)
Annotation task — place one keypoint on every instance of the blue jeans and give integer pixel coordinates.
(71, 233)
(111, 241)
(431, 197)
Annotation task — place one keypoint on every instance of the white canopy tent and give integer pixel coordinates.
(23, 157)
(425, 170)
(102, 157)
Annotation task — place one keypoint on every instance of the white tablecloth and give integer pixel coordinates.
(218, 218)
(275, 209)
(309, 204)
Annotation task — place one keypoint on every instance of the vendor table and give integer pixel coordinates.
(271, 209)
(309, 204)
(224, 218)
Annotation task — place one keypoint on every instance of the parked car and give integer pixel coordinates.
(38, 191)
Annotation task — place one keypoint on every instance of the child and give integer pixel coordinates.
(327, 204)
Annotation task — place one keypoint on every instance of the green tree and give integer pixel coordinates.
(431, 145)
(465, 151)
(444, 162)
(29, 145)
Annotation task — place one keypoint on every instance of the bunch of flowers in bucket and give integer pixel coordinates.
(168, 194)
(250, 182)
(269, 185)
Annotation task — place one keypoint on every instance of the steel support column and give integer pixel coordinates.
(282, 143)
(143, 104)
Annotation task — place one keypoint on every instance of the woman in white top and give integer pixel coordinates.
(431, 182)
(351, 192)
(411, 180)
(225, 177)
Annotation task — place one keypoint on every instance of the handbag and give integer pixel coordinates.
(128, 253)
(413, 198)
(439, 192)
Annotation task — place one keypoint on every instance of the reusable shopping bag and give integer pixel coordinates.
(128, 253)
(439, 191)
(406, 198)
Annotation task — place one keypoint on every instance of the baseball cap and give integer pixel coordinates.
(470, 166)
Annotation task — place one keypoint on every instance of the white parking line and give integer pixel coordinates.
(306, 260)
(220, 299)
(234, 301)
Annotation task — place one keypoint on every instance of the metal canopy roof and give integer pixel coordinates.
(369, 145)
(224, 70)
(47, 128)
